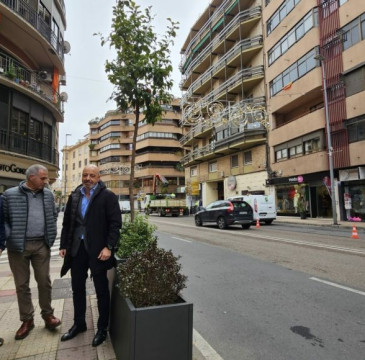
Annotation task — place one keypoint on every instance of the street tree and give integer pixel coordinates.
(141, 70)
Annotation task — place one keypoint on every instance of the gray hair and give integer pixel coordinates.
(34, 170)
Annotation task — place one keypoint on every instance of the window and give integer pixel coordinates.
(73, 166)
(19, 122)
(193, 171)
(281, 154)
(80, 163)
(355, 81)
(356, 129)
(85, 162)
(280, 14)
(212, 167)
(354, 32)
(311, 146)
(47, 134)
(44, 13)
(234, 161)
(247, 158)
(304, 65)
(35, 130)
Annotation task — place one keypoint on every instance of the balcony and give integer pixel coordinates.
(29, 14)
(244, 80)
(245, 17)
(16, 76)
(25, 145)
(246, 47)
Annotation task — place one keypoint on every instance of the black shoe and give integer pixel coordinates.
(99, 337)
(76, 329)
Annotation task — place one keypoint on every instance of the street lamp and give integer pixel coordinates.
(329, 140)
(64, 168)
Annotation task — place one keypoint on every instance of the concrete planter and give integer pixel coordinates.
(151, 333)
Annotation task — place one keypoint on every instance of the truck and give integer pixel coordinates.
(165, 204)
(263, 206)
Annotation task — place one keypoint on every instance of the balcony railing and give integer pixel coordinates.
(244, 74)
(245, 114)
(187, 62)
(30, 15)
(237, 49)
(23, 144)
(14, 70)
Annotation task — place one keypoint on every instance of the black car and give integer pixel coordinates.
(224, 213)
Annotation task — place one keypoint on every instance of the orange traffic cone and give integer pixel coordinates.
(257, 223)
(354, 233)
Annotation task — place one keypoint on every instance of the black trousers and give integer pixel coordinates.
(79, 270)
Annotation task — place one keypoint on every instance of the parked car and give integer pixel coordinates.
(225, 213)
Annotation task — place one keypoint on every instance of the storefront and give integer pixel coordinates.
(352, 189)
(315, 189)
(11, 174)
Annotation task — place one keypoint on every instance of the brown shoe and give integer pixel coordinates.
(24, 330)
(51, 322)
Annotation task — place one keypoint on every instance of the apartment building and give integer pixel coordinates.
(158, 151)
(315, 73)
(75, 158)
(32, 49)
(223, 104)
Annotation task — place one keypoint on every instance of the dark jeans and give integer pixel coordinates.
(79, 269)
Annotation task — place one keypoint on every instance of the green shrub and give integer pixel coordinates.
(151, 277)
(135, 235)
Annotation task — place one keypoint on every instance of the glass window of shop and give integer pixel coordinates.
(287, 198)
(356, 207)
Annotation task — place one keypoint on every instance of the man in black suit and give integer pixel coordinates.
(91, 227)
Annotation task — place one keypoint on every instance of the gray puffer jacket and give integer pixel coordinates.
(15, 206)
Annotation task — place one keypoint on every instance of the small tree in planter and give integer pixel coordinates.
(150, 320)
(135, 236)
(151, 277)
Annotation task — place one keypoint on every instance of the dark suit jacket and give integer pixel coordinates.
(102, 222)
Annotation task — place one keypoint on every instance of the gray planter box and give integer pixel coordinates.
(151, 333)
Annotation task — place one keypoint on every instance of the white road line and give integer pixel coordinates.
(188, 241)
(338, 286)
(206, 350)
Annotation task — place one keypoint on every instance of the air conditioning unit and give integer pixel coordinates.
(63, 80)
(45, 76)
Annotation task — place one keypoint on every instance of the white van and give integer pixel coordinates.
(263, 206)
(125, 206)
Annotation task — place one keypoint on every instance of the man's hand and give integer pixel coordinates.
(62, 253)
(104, 254)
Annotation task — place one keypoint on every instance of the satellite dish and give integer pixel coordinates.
(66, 47)
(64, 96)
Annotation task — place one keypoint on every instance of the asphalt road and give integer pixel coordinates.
(259, 294)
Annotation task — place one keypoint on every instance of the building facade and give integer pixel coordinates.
(224, 106)
(158, 151)
(316, 79)
(32, 49)
(75, 158)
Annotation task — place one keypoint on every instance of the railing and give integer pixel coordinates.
(244, 112)
(14, 70)
(30, 15)
(244, 74)
(187, 63)
(238, 48)
(22, 144)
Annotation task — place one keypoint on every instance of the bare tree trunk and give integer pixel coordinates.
(133, 162)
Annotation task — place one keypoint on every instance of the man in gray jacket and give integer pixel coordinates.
(30, 218)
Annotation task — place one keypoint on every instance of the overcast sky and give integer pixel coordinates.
(87, 86)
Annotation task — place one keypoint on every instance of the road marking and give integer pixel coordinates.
(206, 350)
(338, 286)
(188, 241)
(283, 240)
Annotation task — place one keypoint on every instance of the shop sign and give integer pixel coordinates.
(231, 183)
(296, 179)
(12, 168)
